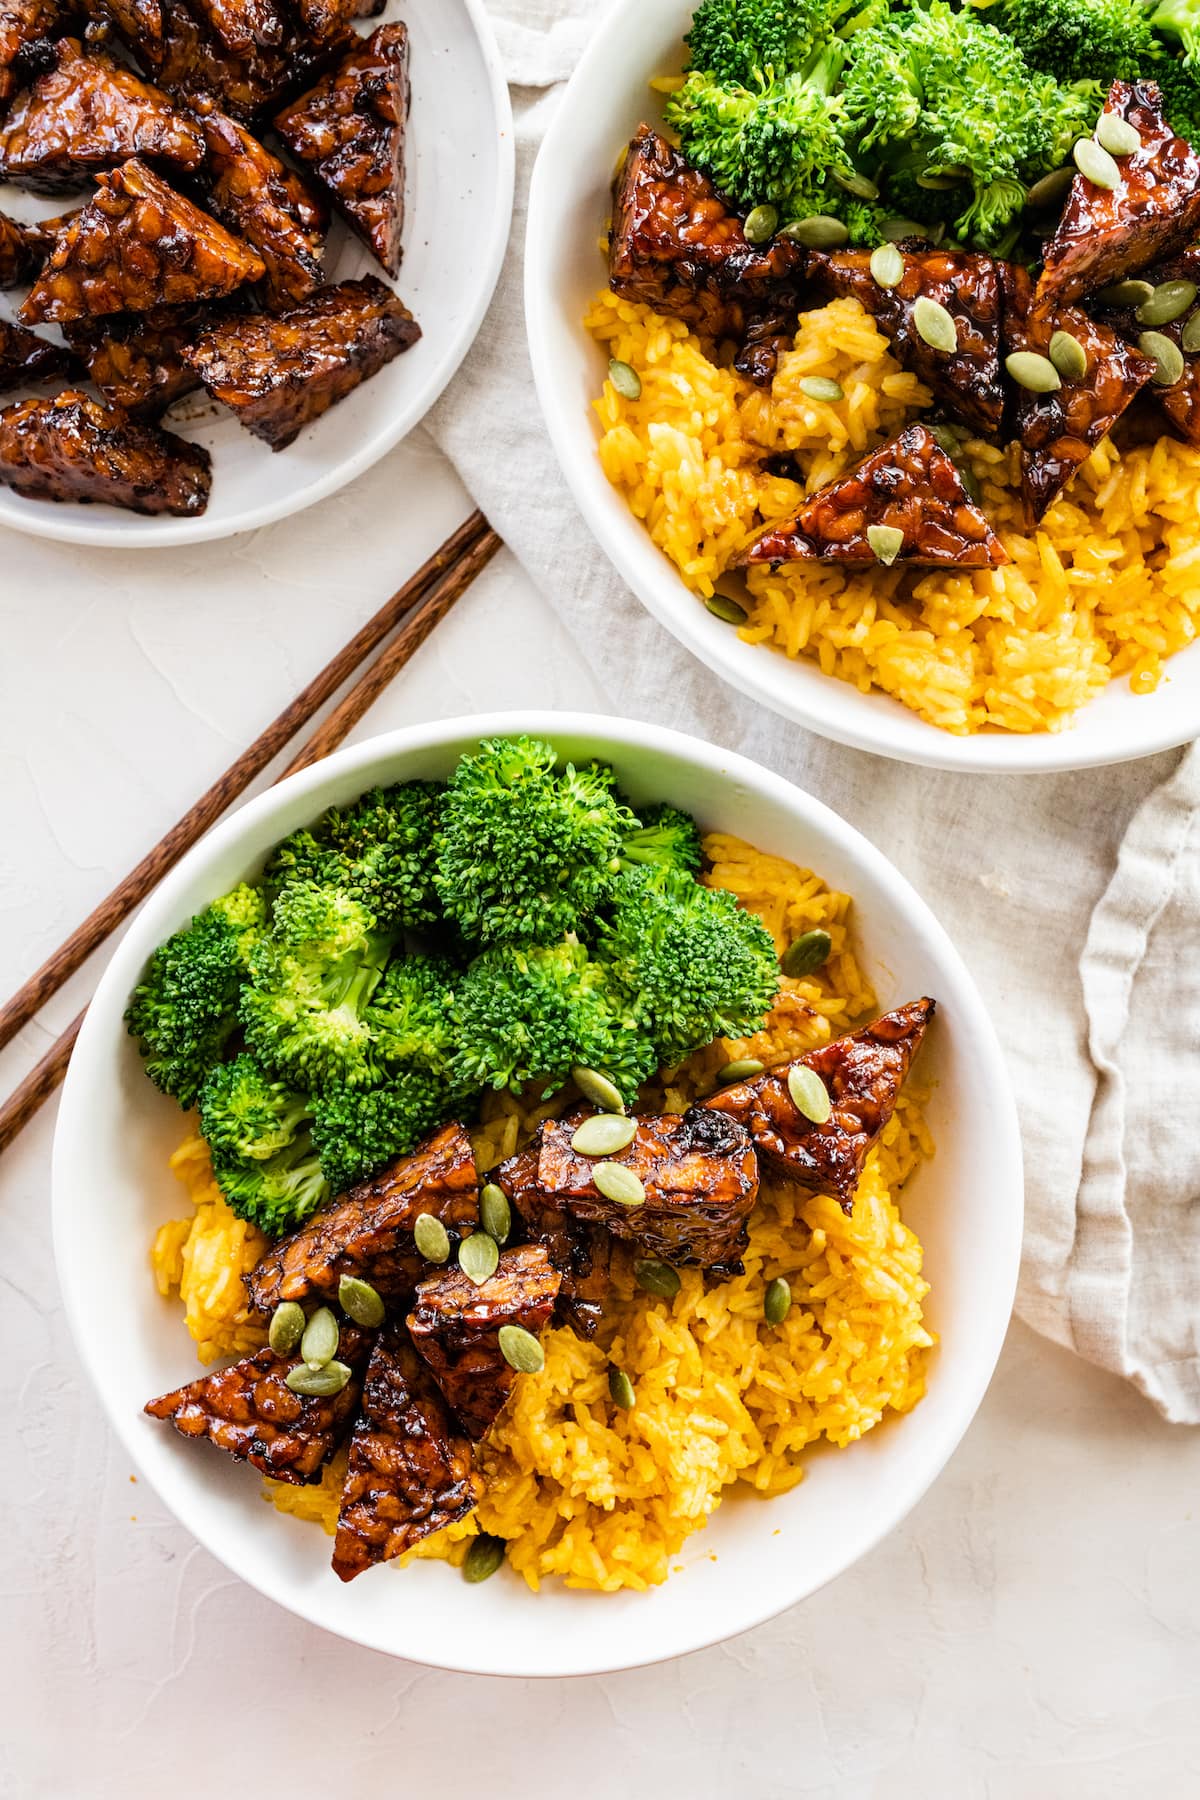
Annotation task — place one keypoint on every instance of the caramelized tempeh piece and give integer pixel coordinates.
(1180, 401)
(325, 21)
(25, 27)
(349, 130)
(251, 1412)
(863, 1072)
(1107, 233)
(368, 1232)
(677, 247)
(72, 448)
(700, 1178)
(138, 244)
(277, 372)
(410, 1472)
(455, 1326)
(966, 380)
(268, 204)
(910, 485)
(18, 259)
(25, 357)
(190, 59)
(245, 25)
(1057, 432)
(90, 113)
(581, 1253)
(136, 359)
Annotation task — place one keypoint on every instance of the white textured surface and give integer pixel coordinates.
(1031, 1633)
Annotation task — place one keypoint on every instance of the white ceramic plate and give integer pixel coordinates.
(459, 207)
(569, 203)
(112, 1189)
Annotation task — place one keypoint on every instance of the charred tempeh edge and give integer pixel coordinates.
(1180, 401)
(410, 1471)
(910, 485)
(863, 1072)
(72, 448)
(368, 1232)
(273, 207)
(249, 1411)
(700, 1178)
(455, 1327)
(581, 1253)
(25, 357)
(136, 359)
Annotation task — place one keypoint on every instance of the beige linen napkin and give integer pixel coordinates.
(1074, 898)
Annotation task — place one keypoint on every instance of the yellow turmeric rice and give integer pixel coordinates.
(605, 1498)
(1107, 586)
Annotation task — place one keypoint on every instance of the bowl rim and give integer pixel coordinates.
(831, 707)
(74, 527)
(185, 1500)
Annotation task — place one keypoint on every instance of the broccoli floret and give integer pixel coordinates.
(1081, 40)
(356, 1131)
(277, 1194)
(959, 94)
(385, 845)
(185, 1009)
(666, 838)
(739, 40)
(301, 857)
(536, 1011)
(527, 852)
(246, 1115)
(1180, 21)
(693, 963)
(411, 1016)
(1180, 84)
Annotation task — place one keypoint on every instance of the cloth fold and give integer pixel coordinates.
(1075, 899)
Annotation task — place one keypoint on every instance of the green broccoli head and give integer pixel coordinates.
(385, 846)
(1180, 84)
(185, 1009)
(527, 851)
(411, 1015)
(1081, 40)
(322, 923)
(278, 1193)
(1179, 20)
(692, 962)
(303, 1015)
(739, 41)
(357, 1131)
(246, 1115)
(530, 1012)
(665, 839)
(302, 857)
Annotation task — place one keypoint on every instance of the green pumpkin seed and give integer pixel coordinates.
(495, 1214)
(887, 541)
(1169, 301)
(777, 1301)
(1126, 293)
(621, 1389)
(762, 222)
(809, 1094)
(617, 1182)
(318, 1384)
(1050, 189)
(599, 1089)
(1191, 334)
(1095, 164)
(431, 1238)
(722, 607)
(286, 1328)
(1117, 135)
(625, 379)
(483, 1558)
(1167, 355)
(478, 1257)
(934, 325)
(887, 266)
(360, 1302)
(1068, 356)
(894, 230)
(808, 952)
(854, 183)
(741, 1070)
(820, 387)
(319, 1344)
(520, 1349)
(817, 232)
(1037, 374)
(946, 438)
(604, 1135)
(657, 1278)
(938, 181)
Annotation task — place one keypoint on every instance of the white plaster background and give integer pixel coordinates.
(1031, 1633)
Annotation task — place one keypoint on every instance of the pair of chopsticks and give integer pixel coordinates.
(416, 608)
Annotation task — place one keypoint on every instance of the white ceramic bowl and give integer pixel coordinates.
(460, 162)
(569, 203)
(112, 1189)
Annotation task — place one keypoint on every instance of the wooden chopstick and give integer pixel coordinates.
(74, 952)
(438, 593)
